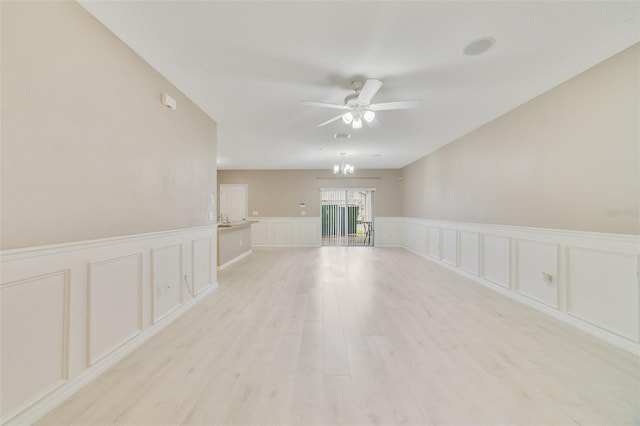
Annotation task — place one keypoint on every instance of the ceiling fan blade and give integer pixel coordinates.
(323, 105)
(385, 106)
(337, 117)
(373, 123)
(369, 90)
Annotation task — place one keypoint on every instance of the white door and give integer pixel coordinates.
(233, 201)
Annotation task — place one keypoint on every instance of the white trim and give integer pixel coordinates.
(543, 232)
(622, 244)
(80, 363)
(234, 260)
(268, 237)
(595, 331)
(346, 188)
(19, 253)
(267, 224)
(56, 397)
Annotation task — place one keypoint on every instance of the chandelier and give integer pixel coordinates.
(342, 168)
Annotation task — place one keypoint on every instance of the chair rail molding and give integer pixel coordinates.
(586, 279)
(91, 303)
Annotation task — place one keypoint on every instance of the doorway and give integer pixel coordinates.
(233, 202)
(347, 216)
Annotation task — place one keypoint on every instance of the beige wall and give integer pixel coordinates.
(568, 159)
(278, 193)
(88, 150)
(233, 243)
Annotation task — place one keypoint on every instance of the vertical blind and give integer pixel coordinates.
(347, 216)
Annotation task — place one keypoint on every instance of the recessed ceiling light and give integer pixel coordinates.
(377, 155)
(479, 46)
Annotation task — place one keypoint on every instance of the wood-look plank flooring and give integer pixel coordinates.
(360, 336)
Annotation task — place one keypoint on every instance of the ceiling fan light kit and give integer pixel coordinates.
(369, 116)
(358, 109)
(358, 105)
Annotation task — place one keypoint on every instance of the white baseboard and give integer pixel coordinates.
(593, 282)
(234, 260)
(100, 299)
(593, 286)
(592, 278)
(39, 409)
(595, 331)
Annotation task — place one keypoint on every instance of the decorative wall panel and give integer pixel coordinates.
(470, 252)
(496, 259)
(115, 285)
(34, 338)
(166, 279)
(603, 289)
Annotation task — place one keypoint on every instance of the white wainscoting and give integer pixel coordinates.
(435, 242)
(496, 259)
(387, 232)
(450, 246)
(35, 330)
(286, 231)
(594, 276)
(166, 280)
(114, 282)
(306, 232)
(470, 252)
(282, 232)
(70, 311)
(202, 269)
(415, 234)
(602, 290)
(533, 258)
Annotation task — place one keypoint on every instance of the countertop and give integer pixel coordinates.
(235, 225)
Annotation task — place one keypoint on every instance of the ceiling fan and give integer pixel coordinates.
(358, 105)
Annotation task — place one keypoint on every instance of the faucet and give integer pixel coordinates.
(224, 219)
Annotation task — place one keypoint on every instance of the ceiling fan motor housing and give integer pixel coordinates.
(351, 100)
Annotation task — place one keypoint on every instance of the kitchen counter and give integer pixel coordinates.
(234, 242)
(235, 225)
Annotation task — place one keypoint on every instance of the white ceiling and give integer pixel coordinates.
(249, 63)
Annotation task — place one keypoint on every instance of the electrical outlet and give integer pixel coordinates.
(158, 292)
(547, 278)
(240, 242)
(212, 216)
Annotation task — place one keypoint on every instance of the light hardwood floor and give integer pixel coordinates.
(360, 336)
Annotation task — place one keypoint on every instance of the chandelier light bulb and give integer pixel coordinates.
(347, 118)
(357, 123)
(369, 116)
(342, 168)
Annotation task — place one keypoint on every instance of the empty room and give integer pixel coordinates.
(320, 212)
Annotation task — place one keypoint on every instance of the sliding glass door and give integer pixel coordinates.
(347, 216)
